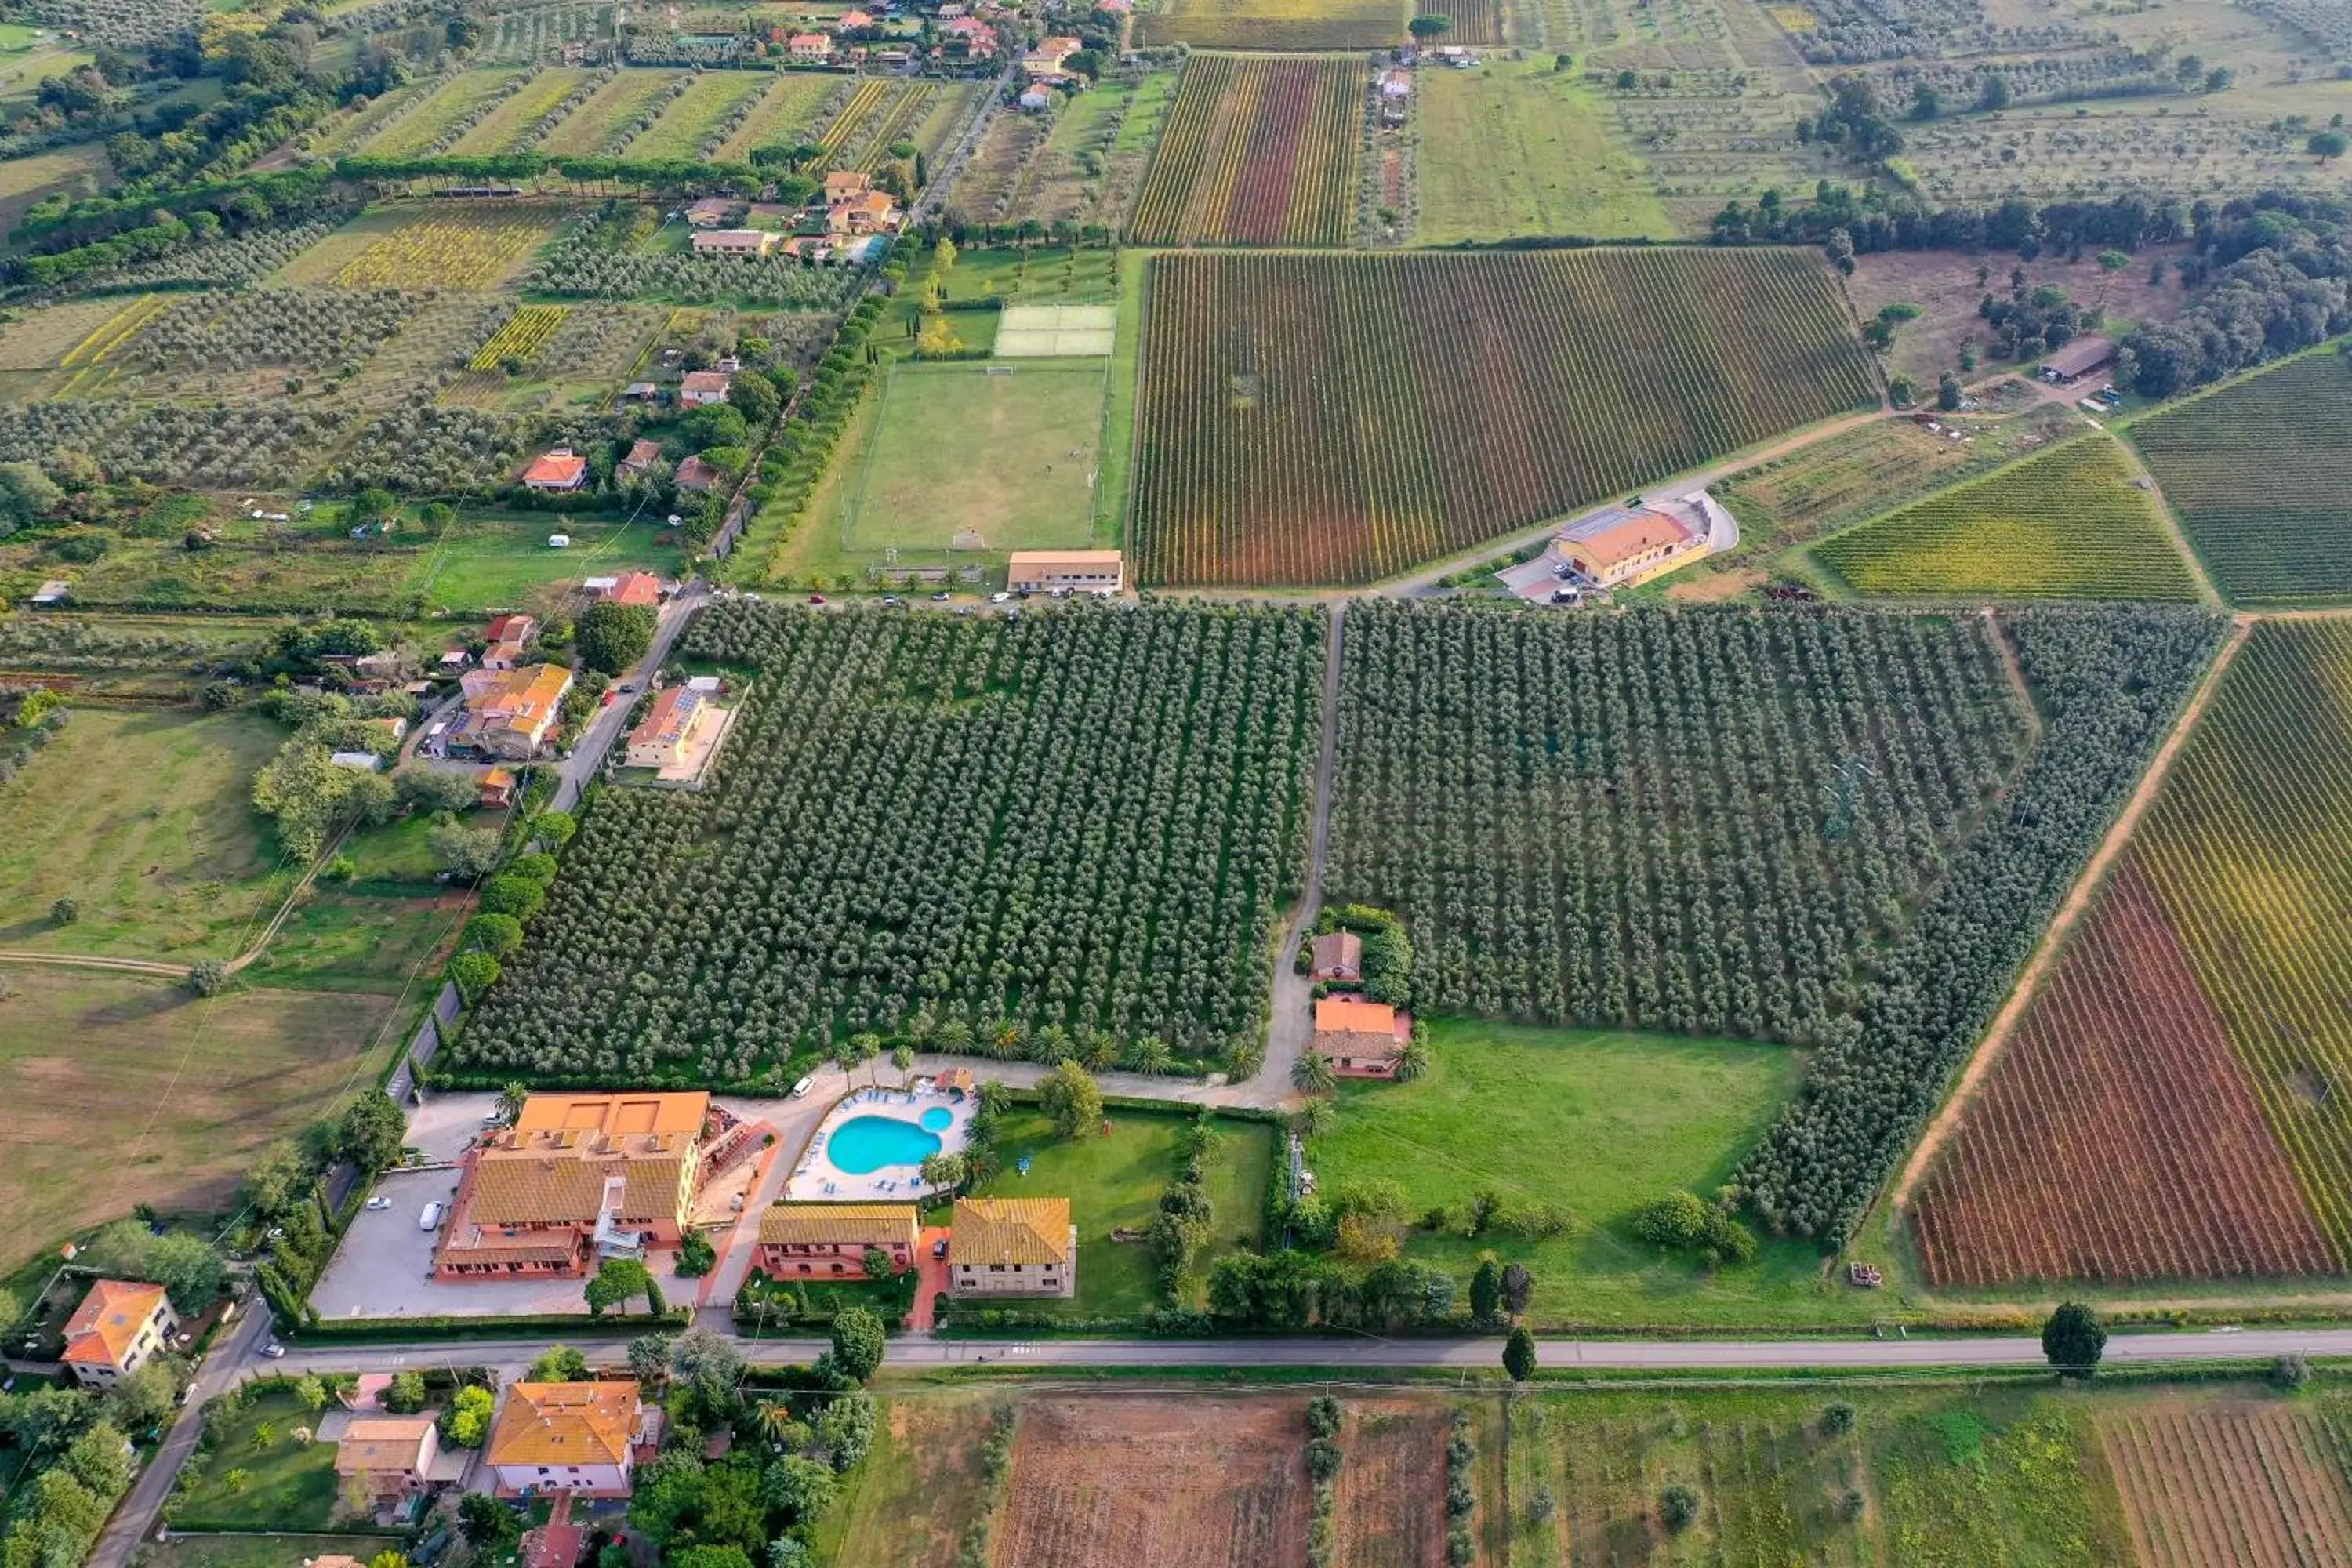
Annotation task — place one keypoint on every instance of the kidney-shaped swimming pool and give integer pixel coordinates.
(864, 1144)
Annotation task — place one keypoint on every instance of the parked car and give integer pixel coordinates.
(817, 598)
(801, 1089)
(379, 1205)
(940, 1247)
(998, 599)
(431, 1218)
(274, 1350)
(941, 597)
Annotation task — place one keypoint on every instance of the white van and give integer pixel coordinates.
(431, 1218)
(801, 1089)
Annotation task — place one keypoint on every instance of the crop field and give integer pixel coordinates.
(1336, 25)
(956, 451)
(1311, 419)
(2260, 478)
(515, 124)
(2067, 525)
(1471, 22)
(525, 333)
(1155, 1483)
(999, 737)
(1701, 887)
(694, 113)
(411, 133)
(2116, 1138)
(608, 119)
(1517, 148)
(1258, 150)
(794, 104)
(1856, 476)
(2253, 1484)
(339, 133)
(460, 247)
(1387, 1504)
(53, 337)
(191, 1089)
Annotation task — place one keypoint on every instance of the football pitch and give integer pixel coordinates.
(978, 457)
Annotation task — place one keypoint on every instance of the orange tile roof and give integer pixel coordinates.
(102, 1328)
(383, 1445)
(559, 470)
(1345, 1015)
(635, 588)
(1623, 540)
(615, 1115)
(669, 720)
(1010, 1230)
(839, 1225)
(565, 1424)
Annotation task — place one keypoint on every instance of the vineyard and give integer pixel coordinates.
(624, 108)
(525, 116)
(2068, 524)
(2259, 476)
(2255, 1485)
(2115, 1137)
(1258, 150)
(455, 103)
(462, 248)
(793, 105)
(1302, 24)
(1311, 419)
(1472, 22)
(1080, 824)
(1636, 820)
(2249, 846)
(525, 332)
(2108, 682)
(686, 127)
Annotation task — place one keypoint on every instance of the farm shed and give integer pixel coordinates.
(2078, 359)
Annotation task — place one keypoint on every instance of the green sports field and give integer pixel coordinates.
(1007, 453)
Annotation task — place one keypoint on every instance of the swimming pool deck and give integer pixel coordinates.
(817, 1179)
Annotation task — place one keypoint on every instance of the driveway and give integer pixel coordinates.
(575, 773)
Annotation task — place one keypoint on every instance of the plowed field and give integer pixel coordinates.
(2232, 1485)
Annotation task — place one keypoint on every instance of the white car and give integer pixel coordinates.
(801, 1089)
(274, 1350)
(998, 599)
(431, 1218)
(378, 1205)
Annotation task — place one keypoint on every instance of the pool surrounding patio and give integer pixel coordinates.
(873, 1143)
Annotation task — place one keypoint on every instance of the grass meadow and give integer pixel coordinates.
(187, 1090)
(262, 1476)
(1597, 1124)
(1517, 148)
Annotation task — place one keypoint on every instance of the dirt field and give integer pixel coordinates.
(1944, 286)
(1390, 1504)
(1146, 1482)
(87, 1057)
(2240, 1484)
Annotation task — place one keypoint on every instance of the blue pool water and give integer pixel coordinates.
(939, 1118)
(865, 1144)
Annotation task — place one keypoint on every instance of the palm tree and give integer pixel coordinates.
(1312, 1120)
(1312, 1074)
(1149, 1056)
(511, 1095)
(1412, 1060)
(775, 1418)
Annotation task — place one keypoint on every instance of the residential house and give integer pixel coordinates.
(584, 1438)
(1013, 1246)
(508, 711)
(1037, 95)
(873, 213)
(1339, 955)
(1081, 571)
(1359, 1038)
(1622, 545)
(854, 21)
(830, 1240)
(696, 475)
(809, 49)
(556, 472)
(845, 186)
(1396, 83)
(704, 386)
(496, 791)
(969, 35)
(635, 588)
(391, 1456)
(672, 727)
(1048, 56)
(119, 1328)
(578, 1176)
(642, 456)
(641, 391)
(710, 211)
(509, 636)
(736, 242)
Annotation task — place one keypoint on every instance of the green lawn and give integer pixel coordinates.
(398, 852)
(1597, 1124)
(286, 1484)
(1519, 149)
(261, 1550)
(372, 938)
(1116, 1181)
(487, 564)
(957, 447)
(161, 845)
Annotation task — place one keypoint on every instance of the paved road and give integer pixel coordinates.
(1706, 1355)
(579, 770)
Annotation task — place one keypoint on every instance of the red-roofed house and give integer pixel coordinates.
(642, 457)
(971, 36)
(635, 588)
(1361, 1039)
(670, 728)
(702, 387)
(873, 213)
(855, 20)
(119, 1328)
(557, 471)
(509, 638)
(809, 47)
(1046, 59)
(693, 474)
